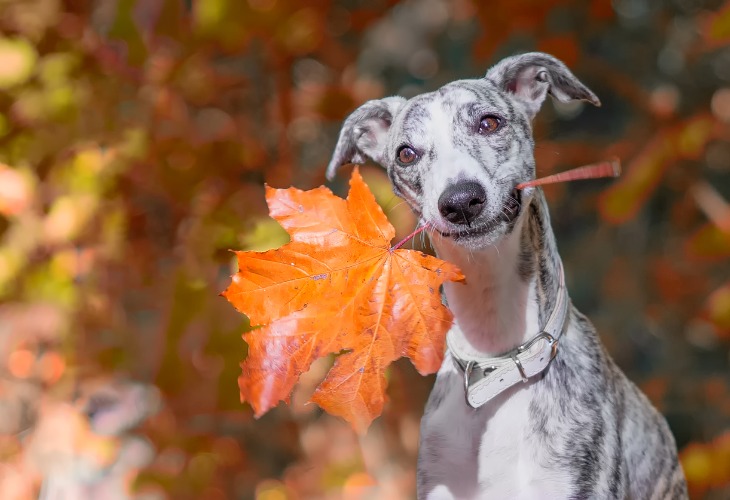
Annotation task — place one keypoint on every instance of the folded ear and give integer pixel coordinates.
(530, 77)
(364, 133)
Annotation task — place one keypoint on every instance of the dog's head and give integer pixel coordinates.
(457, 154)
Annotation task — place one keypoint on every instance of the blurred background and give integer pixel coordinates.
(135, 140)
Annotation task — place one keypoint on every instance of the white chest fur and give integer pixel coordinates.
(492, 452)
(512, 463)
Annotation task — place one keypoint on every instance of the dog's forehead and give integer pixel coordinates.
(462, 98)
(465, 91)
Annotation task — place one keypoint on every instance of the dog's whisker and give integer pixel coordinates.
(398, 205)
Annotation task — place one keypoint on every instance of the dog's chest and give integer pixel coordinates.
(493, 452)
(514, 459)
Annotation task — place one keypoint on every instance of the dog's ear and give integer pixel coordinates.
(530, 77)
(364, 132)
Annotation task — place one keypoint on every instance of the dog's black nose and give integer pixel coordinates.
(461, 203)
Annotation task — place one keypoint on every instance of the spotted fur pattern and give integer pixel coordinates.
(579, 430)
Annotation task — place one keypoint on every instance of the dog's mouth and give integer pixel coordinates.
(511, 210)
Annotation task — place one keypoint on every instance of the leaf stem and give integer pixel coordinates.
(409, 237)
(610, 168)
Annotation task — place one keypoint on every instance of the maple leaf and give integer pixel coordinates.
(337, 286)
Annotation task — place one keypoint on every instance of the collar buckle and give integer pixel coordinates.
(517, 362)
(552, 342)
(467, 374)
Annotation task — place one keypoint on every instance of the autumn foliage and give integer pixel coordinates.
(136, 137)
(338, 286)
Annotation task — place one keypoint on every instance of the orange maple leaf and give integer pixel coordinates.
(337, 286)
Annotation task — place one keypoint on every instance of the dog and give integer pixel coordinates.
(527, 403)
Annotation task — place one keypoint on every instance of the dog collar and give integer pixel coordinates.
(485, 377)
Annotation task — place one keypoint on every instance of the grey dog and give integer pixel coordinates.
(527, 404)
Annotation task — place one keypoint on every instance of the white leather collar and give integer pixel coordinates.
(486, 377)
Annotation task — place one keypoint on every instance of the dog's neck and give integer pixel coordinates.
(511, 288)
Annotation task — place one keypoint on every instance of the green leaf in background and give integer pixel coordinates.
(17, 62)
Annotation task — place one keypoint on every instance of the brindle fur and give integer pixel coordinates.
(581, 429)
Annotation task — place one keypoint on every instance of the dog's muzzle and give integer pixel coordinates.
(462, 203)
(512, 206)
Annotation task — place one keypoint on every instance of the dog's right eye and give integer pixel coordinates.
(406, 155)
(489, 124)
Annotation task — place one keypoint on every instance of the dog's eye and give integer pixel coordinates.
(406, 155)
(489, 124)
